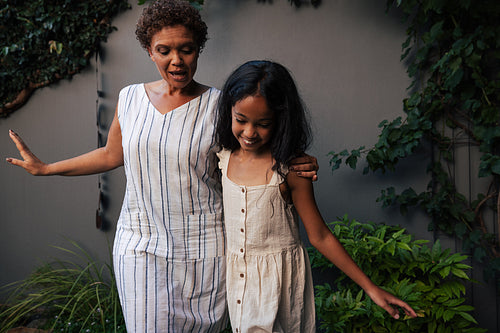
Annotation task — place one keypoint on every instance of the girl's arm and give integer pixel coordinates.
(322, 239)
(99, 160)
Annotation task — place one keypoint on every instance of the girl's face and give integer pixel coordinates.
(175, 54)
(252, 123)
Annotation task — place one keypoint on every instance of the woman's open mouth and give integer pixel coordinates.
(178, 75)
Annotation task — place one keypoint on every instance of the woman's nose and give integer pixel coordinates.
(176, 58)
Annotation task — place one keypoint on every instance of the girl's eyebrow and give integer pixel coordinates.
(243, 116)
(239, 114)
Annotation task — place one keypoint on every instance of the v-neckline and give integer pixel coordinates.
(174, 109)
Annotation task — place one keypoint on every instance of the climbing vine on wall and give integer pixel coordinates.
(43, 41)
(453, 51)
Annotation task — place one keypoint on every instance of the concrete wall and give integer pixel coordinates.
(345, 57)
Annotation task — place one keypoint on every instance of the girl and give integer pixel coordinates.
(261, 126)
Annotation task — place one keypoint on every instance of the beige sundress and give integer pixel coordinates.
(269, 282)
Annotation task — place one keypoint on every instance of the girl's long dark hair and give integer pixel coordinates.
(291, 131)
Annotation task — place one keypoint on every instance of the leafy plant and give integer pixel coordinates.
(43, 41)
(66, 296)
(298, 3)
(198, 4)
(453, 52)
(431, 280)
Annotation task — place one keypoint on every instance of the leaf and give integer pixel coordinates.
(352, 161)
(467, 317)
(495, 167)
(459, 273)
(403, 246)
(448, 315)
(436, 30)
(479, 254)
(445, 271)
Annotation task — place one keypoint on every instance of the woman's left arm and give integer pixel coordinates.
(327, 244)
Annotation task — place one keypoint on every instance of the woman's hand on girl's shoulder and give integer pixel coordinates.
(305, 166)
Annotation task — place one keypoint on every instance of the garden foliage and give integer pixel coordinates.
(77, 295)
(453, 57)
(431, 280)
(43, 41)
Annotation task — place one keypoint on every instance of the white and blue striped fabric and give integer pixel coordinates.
(170, 243)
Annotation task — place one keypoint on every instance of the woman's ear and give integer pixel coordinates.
(151, 54)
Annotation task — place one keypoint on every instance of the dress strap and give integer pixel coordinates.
(223, 156)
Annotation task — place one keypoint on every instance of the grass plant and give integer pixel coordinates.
(77, 295)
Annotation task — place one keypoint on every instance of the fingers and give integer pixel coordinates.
(386, 301)
(17, 140)
(20, 145)
(408, 310)
(301, 166)
(308, 174)
(29, 161)
(13, 161)
(395, 313)
(305, 159)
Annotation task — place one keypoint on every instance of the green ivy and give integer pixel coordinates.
(453, 52)
(431, 280)
(298, 3)
(43, 41)
(198, 4)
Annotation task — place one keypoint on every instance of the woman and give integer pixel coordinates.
(170, 243)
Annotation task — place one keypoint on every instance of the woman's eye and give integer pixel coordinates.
(240, 121)
(163, 51)
(187, 50)
(265, 125)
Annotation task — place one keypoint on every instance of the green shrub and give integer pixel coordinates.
(66, 296)
(431, 280)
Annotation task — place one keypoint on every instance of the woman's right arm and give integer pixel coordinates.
(96, 161)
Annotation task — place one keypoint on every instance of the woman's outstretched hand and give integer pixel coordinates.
(386, 301)
(29, 161)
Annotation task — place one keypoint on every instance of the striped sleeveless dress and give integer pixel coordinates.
(169, 247)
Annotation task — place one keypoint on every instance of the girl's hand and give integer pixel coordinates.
(385, 300)
(30, 162)
(306, 166)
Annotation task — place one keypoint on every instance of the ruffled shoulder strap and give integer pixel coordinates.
(223, 156)
(280, 177)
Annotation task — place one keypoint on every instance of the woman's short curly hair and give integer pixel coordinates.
(167, 13)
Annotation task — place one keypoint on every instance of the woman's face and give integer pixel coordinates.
(175, 54)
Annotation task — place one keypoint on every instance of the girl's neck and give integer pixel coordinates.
(250, 168)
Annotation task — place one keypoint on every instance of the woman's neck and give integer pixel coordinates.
(165, 99)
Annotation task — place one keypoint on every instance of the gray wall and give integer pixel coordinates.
(345, 57)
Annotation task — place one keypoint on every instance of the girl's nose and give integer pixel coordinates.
(250, 132)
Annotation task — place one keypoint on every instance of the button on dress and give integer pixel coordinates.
(269, 281)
